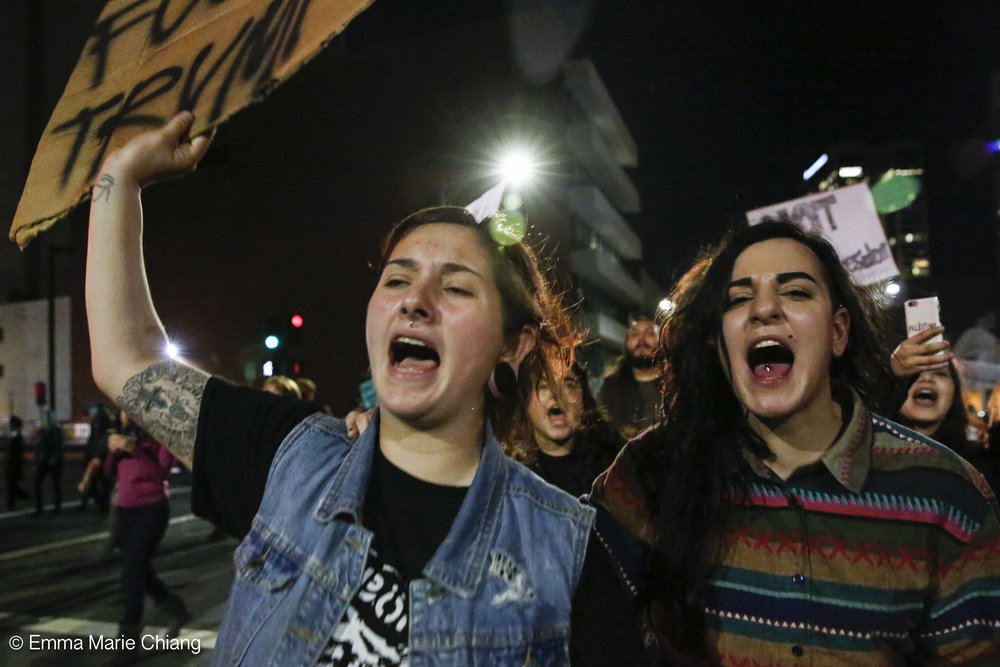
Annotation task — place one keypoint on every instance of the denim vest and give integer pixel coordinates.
(497, 591)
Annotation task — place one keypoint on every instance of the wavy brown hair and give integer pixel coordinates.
(526, 298)
(601, 441)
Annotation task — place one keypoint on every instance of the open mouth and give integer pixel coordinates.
(770, 359)
(556, 411)
(406, 351)
(925, 397)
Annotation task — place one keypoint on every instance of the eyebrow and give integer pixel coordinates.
(446, 268)
(781, 277)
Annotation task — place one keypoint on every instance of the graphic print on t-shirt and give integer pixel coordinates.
(373, 630)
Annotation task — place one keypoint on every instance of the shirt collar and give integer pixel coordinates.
(849, 457)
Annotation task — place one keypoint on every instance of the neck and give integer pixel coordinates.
(447, 454)
(554, 447)
(645, 374)
(926, 428)
(800, 439)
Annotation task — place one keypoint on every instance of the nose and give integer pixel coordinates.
(765, 307)
(417, 303)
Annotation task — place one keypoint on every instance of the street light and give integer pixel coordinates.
(517, 167)
(666, 306)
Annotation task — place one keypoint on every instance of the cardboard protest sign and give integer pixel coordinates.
(847, 218)
(144, 61)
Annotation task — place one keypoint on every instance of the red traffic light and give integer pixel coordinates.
(40, 395)
(297, 321)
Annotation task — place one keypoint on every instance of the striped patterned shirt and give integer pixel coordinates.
(884, 552)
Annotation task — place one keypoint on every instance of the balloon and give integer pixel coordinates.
(895, 192)
(508, 227)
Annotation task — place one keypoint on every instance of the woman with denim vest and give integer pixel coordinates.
(419, 542)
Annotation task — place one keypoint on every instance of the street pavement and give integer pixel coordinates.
(60, 595)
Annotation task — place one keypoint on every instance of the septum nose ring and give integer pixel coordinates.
(410, 324)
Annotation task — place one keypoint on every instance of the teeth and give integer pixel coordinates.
(411, 341)
(766, 343)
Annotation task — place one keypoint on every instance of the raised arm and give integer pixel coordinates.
(127, 340)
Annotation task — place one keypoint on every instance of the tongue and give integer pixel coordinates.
(769, 371)
(414, 364)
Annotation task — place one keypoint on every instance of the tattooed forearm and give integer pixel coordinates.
(102, 189)
(165, 400)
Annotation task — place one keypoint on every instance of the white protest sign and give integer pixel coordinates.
(847, 218)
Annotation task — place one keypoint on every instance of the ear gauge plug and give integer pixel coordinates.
(503, 381)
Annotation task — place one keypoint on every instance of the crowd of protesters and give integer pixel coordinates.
(761, 510)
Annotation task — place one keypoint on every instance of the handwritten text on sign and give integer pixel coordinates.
(847, 218)
(144, 61)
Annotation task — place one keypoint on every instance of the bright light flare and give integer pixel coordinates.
(172, 350)
(268, 369)
(517, 167)
(666, 306)
(850, 172)
(271, 342)
(892, 289)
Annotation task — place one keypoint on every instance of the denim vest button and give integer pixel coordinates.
(799, 578)
(797, 651)
(434, 594)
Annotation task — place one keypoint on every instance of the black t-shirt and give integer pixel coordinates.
(239, 432)
(409, 517)
(576, 471)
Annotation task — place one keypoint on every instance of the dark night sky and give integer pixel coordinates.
(728, 101)
(744, 96)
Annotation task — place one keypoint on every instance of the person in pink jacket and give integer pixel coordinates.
(142, 465)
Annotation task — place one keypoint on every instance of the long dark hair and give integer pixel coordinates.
(951, 430)
(525, 299)
(696, 468)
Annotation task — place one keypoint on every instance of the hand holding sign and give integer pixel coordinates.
(156, 155)
(146, 60)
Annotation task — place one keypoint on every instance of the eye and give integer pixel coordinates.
(798, 293)
(737, 300)
(460, 291)
(394, 281)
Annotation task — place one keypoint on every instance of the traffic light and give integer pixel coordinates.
(293, 330)
(273, 334)
(282, 342)
(40, 395)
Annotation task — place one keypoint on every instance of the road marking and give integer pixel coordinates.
(179, 491)
(85, 627)
(61, 544)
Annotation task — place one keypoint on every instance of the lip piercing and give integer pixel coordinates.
(767, 367)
